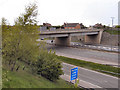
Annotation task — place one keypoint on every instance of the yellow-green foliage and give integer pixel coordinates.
(48, 65)
(21, 49)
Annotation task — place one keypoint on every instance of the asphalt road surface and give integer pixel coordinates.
(86, 54)
(90, 79)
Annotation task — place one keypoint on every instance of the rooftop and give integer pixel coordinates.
(70, 24)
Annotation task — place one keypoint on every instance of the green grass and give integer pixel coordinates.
(24, 79)
(90, 65)
(114, 32)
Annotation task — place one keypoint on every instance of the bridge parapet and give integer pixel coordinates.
(70, 31)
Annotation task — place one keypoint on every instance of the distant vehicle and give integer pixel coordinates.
(42, 38)
(51, 41)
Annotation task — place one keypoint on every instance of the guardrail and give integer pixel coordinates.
(67, 30)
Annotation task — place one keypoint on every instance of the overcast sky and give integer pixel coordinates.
(56, 12)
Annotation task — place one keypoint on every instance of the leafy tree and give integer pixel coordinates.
(19, 41)
(48, 65)
(20, 47)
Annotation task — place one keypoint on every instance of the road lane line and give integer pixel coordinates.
(86, 59)
(82, 83)
(92, 71)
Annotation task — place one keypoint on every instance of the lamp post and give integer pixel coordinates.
(112, 29)
(112, 20)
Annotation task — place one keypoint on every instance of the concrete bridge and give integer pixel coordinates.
(63, 37)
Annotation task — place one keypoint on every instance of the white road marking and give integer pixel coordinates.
(93, 71)
(81, 82)
(86, 59)
(90, 84)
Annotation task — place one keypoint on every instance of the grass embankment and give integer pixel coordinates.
(114, 32)
(24, 79)
(90, 65)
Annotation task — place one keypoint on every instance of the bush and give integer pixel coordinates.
(117, 26)
(48, 65)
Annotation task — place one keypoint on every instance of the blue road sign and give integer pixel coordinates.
(74, 73)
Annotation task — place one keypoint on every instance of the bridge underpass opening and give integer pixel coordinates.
(63, 41)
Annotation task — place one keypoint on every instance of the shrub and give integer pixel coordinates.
(48, 65)
(117, 26)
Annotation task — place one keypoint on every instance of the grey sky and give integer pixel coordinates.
(56, 12)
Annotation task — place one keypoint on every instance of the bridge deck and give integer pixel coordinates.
(60, 31)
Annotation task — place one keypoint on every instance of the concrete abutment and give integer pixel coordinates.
(94, 39)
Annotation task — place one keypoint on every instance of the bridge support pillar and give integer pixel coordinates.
(63, 41)
(93, 39)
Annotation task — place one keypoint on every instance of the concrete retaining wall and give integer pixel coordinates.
(106, 39)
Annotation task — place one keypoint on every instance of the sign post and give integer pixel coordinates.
(74, 75)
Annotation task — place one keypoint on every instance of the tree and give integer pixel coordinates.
(19, 41)
(20, 47)
(29, 17)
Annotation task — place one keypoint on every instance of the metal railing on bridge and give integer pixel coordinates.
(47, 30)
